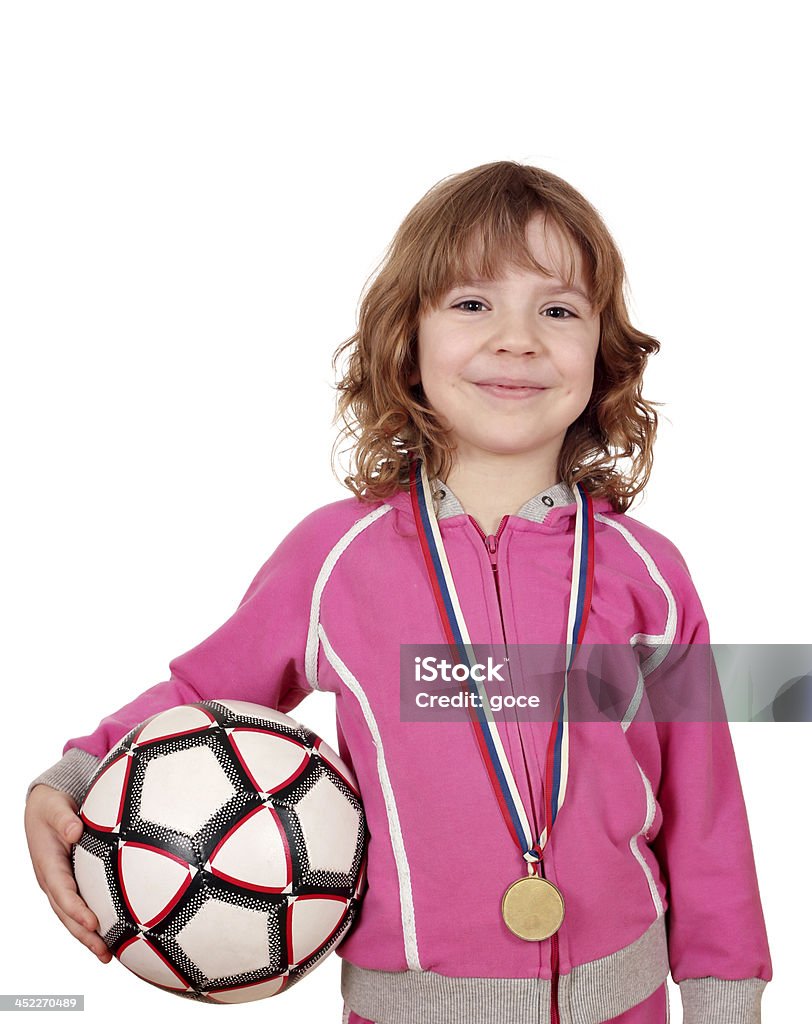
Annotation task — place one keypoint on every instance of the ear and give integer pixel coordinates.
(414, 377)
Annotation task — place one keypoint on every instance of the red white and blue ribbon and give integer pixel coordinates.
(485, 727)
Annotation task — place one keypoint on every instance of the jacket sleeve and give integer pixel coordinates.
(717, 941)
(257, 655)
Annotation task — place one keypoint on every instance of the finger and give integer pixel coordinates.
(68, 825)
(50, 836)
(59, 811)
(91, 939)
(59, 882)
(61, 887)
(54, 873)
(48, 840)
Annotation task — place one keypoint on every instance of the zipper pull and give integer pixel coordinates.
(491, 539)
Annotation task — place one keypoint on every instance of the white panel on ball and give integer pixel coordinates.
(183, 790)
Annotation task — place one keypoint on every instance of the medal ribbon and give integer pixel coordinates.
(485, 728)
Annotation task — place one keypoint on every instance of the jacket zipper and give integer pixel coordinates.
(491, 541)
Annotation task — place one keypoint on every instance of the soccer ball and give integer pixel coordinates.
(223, 851)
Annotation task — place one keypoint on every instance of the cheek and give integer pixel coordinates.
(573, 368)
(441, 359)
(579, 363)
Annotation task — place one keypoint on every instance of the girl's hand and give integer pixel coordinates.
(52, 827)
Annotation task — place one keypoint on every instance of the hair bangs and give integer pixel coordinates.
(489, 244)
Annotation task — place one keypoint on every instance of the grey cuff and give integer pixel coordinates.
(72, 774)
(721, 1000)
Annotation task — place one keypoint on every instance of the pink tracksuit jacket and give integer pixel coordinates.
(652, 847)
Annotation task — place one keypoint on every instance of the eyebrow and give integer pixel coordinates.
(557, 289)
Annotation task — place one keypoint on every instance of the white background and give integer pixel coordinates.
(192, 198)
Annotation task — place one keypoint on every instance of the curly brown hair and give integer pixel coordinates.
(470, 225)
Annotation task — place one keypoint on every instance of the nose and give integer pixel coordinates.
(518, 332)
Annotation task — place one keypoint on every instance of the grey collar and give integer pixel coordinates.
(535, 508)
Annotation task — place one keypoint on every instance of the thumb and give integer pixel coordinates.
(71, 828)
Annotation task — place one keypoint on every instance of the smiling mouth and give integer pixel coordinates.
(510, 390)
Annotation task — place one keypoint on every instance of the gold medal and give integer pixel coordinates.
(533, 908)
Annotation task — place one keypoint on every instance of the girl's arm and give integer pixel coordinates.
(717, 939)
(257, 655)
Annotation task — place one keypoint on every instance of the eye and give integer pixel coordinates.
(559, 309)
(468, 302)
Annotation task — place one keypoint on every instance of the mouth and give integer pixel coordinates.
(510, 390)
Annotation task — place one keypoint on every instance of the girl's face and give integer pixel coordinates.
(524, 327)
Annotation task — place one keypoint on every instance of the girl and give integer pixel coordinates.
(517, 871)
